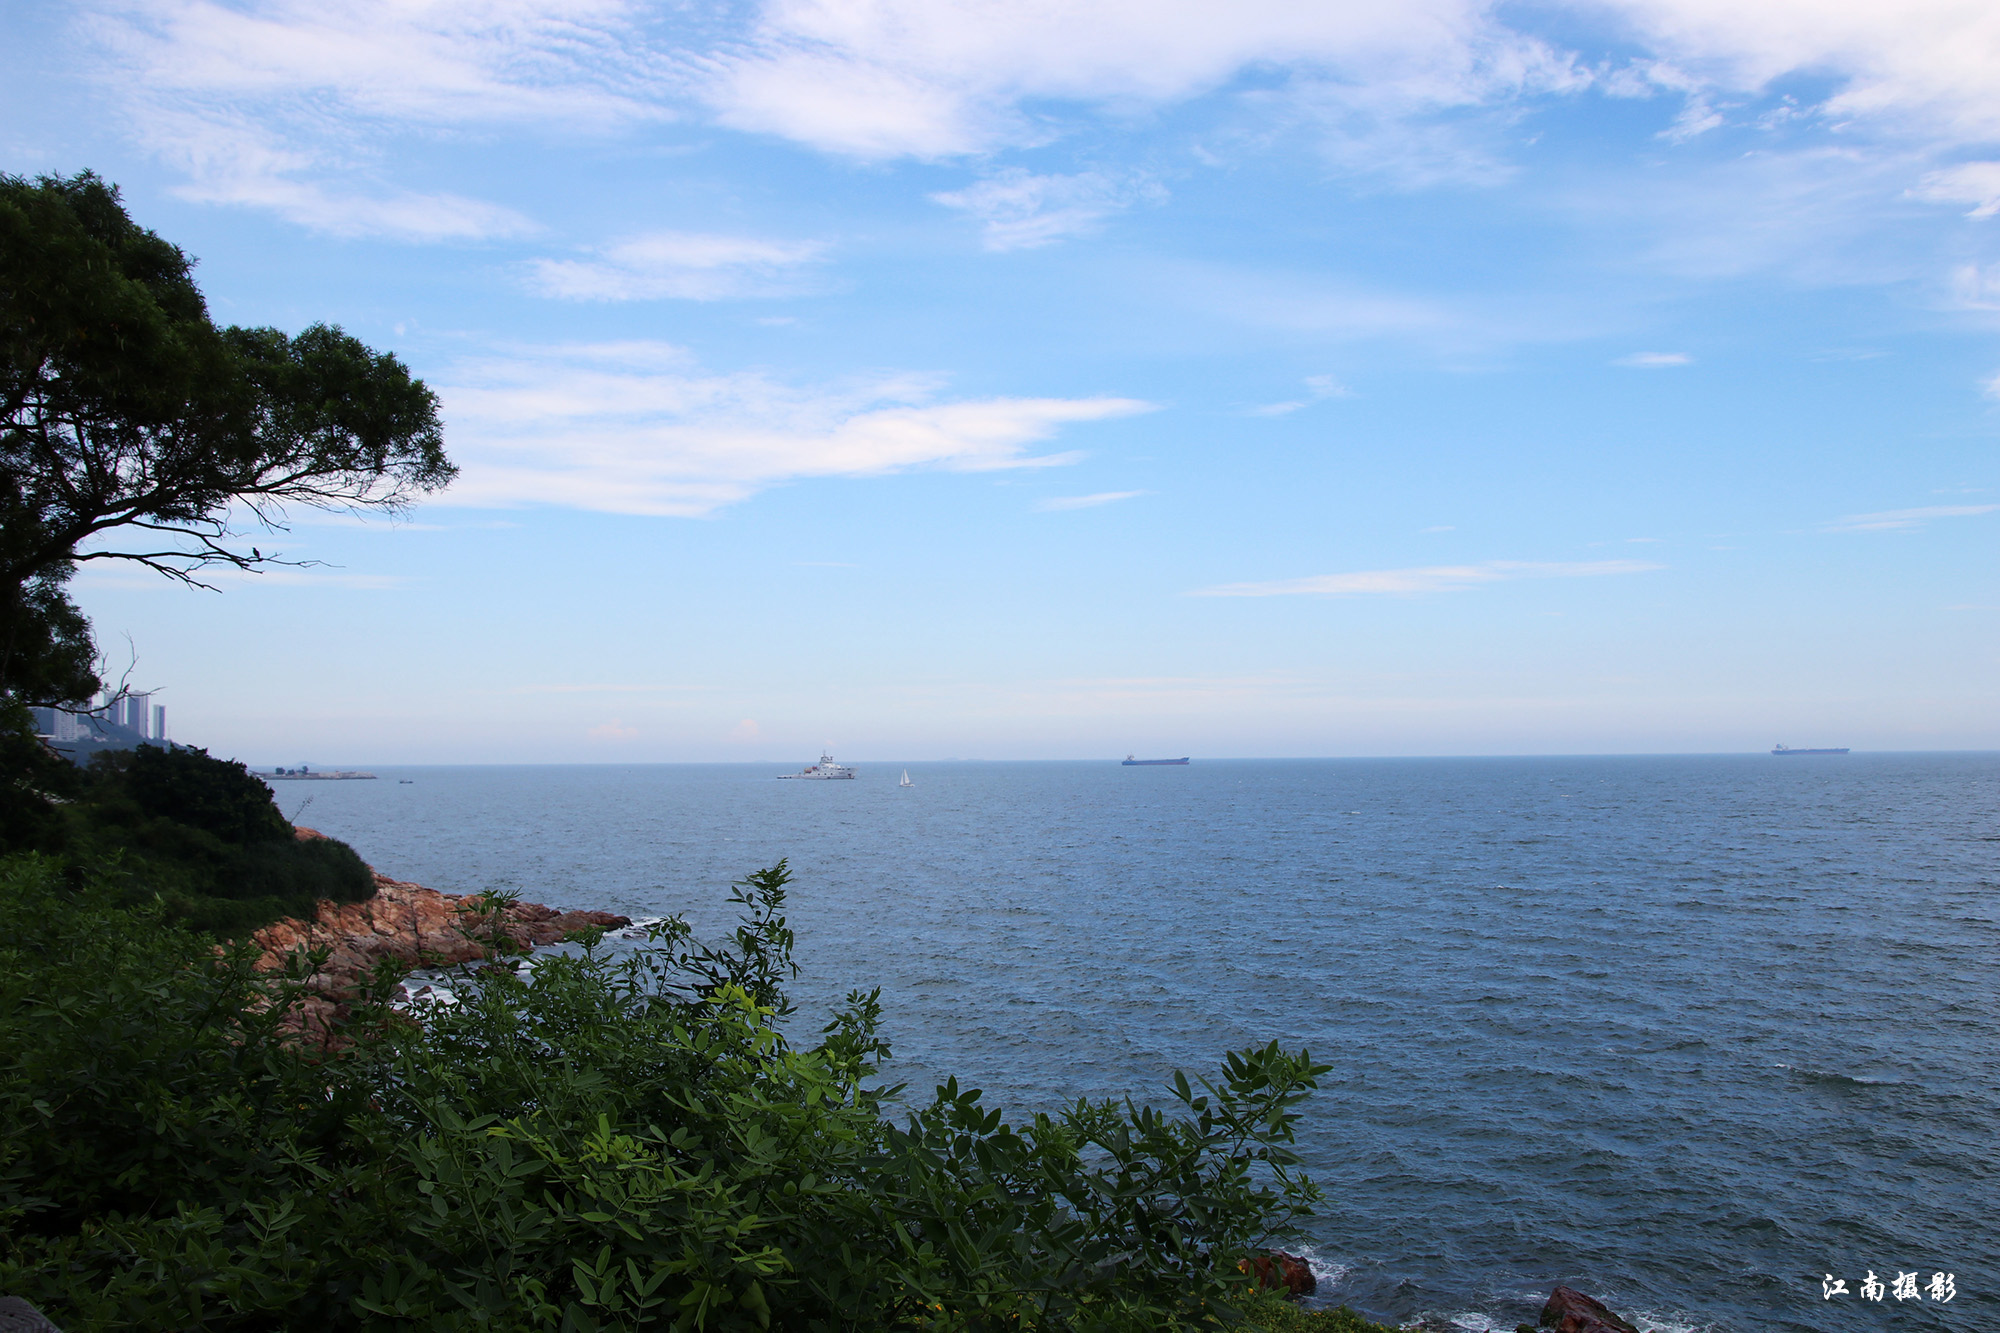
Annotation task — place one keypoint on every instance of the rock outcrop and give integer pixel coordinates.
(1570, 1311)
(414, 926)
(1278, 1269)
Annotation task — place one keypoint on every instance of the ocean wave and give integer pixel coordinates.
(1326, 1272)
(1838, 1079)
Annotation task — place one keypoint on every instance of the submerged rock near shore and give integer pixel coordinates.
(413, 925)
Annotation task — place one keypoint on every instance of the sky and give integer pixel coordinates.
(939, 379)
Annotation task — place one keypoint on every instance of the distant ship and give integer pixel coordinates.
(823, 770)
(1786, 749)
(305, 774)
(1133, 761)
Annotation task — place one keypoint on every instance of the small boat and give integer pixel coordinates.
(1133, 761)
(906, 780)
(823, 770)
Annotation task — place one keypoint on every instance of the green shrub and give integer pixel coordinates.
(1273, 1313)
(613, 1142)
(185, 785)
(204, 838)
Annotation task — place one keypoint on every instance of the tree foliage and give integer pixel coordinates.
(199, 838)
(132, 427)
(618, 1140)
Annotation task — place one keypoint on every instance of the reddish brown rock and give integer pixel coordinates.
(413, 925)
(1278, 1269)
(1570, 1311)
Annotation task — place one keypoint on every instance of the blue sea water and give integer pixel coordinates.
(1690, 1033)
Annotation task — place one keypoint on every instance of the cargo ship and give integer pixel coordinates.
(1786, 749)
(1133, 761)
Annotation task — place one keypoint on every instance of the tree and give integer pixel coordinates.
(136, 429)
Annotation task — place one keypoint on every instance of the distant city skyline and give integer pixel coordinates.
(133, 711)
(938, 379)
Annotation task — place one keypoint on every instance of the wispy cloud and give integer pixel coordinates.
(232, 159)
(1021, 211)
(1923, 67)
(285, 105)
(1975, 183)
(1429, 578)
(1061, 502)
(638, 428)
(1904, 520)
(1319, 387)
(939, 78)
(1422, 91)
(676, 264)
(1654, 360)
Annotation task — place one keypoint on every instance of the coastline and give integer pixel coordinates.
(407, 923)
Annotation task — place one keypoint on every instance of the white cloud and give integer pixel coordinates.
(1021, 211)
(1923, 67)
(441, 62)
(284, 104)
(1654, 360)
(677, 264)
(1431, 578)
(1904, 520)
(937, 78)
(1975, 183)
(1976, 288)
(230, 160)
(300, 107)
(1320, 387)
(290, 105)
(637, 428)
(1061, 502)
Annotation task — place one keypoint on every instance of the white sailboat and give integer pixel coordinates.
(906, 780)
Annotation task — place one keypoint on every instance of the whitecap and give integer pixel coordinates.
(1326, 1272)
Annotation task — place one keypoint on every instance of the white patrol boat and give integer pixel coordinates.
(824, 769)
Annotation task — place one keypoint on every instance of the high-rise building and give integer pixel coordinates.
(57, 725)
(160, 723)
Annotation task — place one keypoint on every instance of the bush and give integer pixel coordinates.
(201, 836)
(628, 1142)
(185, 785)
(33, 781)
(1273, 1313)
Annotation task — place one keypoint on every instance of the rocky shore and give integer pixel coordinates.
(410, 924)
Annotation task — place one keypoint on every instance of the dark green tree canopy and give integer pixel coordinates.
(134, 427)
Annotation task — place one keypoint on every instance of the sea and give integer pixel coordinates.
(1715, 1039)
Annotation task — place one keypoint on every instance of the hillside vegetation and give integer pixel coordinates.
(613, 1141)
(197, 836)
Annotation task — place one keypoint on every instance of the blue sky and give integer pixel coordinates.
(938, 379)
